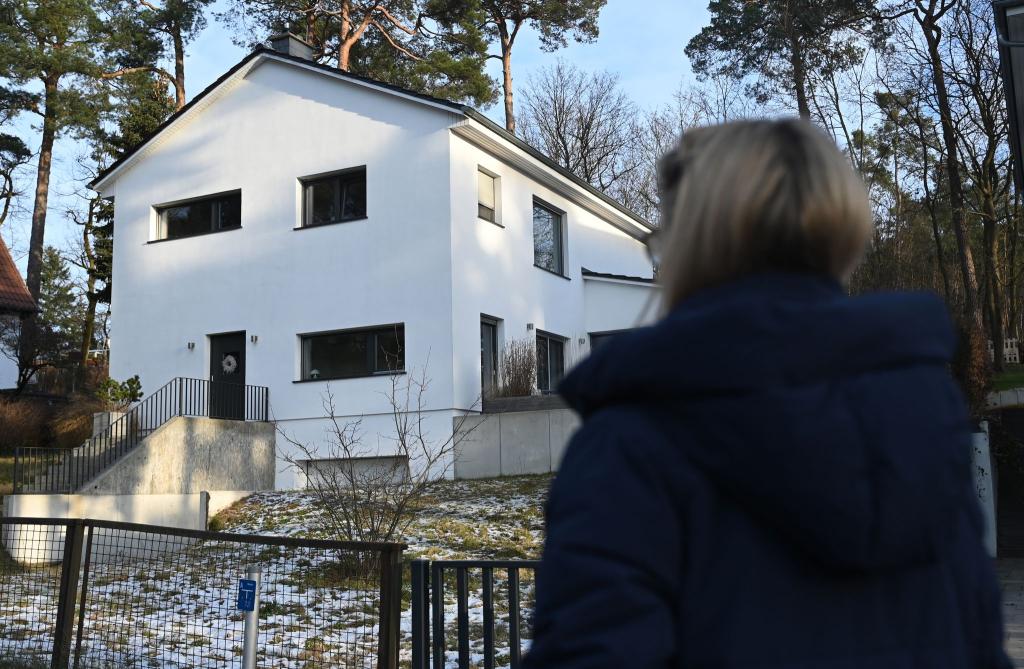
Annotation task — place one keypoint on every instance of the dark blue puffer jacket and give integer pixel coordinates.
(776, 475)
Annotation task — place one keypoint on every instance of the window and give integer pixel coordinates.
(487, 196)
(547, 238)
(550, 361)
(599, 339)
(351, 353)
(335, 199)
(199, 216)
(488, 356)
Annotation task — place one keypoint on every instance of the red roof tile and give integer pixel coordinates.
(14, 295)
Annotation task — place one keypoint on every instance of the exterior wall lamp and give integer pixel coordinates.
(254, 338)
(191, 345)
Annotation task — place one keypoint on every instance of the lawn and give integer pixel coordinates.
(1011, 377)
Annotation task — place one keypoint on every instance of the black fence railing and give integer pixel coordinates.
(498, 595)
(67, 470)
(87, 593)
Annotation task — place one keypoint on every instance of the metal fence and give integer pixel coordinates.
(463, 610)
(90, 593)
(67, 470)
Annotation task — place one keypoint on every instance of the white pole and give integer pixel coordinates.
(252, 619)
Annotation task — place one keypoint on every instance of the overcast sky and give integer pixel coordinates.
(642, 41)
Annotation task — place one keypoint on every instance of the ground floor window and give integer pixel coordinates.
(550, 361)
(599, 339)
(346, 354)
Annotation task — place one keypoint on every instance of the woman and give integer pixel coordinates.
(776, 474)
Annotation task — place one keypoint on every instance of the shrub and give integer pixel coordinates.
(120, 395)
(72, 424)
(23, 423)
(518, 368)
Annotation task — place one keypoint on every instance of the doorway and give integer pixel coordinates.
(227, 376)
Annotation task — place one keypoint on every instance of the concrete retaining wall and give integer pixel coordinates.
(191, 455)
(513, 443)
(28, 545)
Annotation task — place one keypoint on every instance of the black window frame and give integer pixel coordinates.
(217, 199)
(550, 384)
(596, 338)
(559, 237)
(372, 351)
(346, 174)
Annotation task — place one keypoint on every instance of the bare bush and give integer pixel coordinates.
(71, 425)
(361, 494)
(518, 368)
(23, 423)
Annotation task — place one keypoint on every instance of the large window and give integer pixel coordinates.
(547, 238)
(550, 361)
(350, 353)
(200, 216)
(335, 199)
(487, 196)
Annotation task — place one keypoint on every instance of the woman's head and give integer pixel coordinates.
(756, 196)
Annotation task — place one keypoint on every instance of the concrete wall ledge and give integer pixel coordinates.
(531, 403)
(512, 443)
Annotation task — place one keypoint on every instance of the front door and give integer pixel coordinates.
(227, 376)
(488, 357)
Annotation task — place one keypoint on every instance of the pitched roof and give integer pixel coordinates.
(14, 295)
(457, 107)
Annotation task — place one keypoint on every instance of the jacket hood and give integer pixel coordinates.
(831, 418)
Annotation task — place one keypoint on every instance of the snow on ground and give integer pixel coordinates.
(173, 606)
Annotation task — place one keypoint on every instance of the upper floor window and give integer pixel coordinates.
(352, 353)
(487, 196)
(199, 216)
(547, 239)
(550, 361)
(334, 199)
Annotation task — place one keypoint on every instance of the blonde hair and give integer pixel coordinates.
(754, 196)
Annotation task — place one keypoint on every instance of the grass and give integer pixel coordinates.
(6, 475)
(1011, 377)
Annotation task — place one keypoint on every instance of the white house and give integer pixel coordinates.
(304, 229)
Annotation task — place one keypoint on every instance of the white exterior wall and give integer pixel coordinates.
(494, 273)
(8, 367)
(278, 124)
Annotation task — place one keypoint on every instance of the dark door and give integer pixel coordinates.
(227, 376)
(488, 357)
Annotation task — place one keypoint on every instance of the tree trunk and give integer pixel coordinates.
(796, 62)
(506, 70)
(33, 279)
(179, 69)
(992, 296)
(975, 371)
(344, 35)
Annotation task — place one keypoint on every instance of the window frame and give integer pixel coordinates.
(305, 194)
(560, 237)
(496, 184)
(371, 352)
(605, 334)
(551, 337)
(161, 231)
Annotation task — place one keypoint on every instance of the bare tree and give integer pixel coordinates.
(362, 495)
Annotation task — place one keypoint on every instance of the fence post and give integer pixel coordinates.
(16, 488)
(420, 570)
(181, 391)
(252, 623)
(72, 562)
(390, 607)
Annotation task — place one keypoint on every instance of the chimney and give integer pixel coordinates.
(291, 45)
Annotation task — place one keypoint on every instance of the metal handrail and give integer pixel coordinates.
(63, 470)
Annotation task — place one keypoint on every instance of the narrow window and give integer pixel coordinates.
(200, 216)
(487, 201)
(336, 198)
(547, 239)
(599, 339)
(352, 353)
(550, 361)
(488, 357)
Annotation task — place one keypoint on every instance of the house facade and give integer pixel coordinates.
(15, 304)
(312, 232)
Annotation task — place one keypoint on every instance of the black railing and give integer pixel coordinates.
(67, 470)
(92, 593)
(485, 579)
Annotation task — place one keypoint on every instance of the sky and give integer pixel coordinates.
(640, 40)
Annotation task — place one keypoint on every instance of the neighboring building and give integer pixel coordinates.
(359, 228)
(15, 303)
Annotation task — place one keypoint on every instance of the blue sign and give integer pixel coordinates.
(246, 594)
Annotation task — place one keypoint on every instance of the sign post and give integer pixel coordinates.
(249, 602)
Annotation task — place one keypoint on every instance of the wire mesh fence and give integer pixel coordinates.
(471, 614)
(104, 594)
